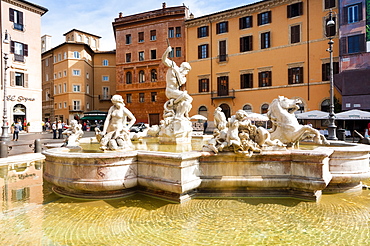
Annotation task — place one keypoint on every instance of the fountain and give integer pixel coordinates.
(240, 160)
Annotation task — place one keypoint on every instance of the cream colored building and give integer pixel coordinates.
(21, 20)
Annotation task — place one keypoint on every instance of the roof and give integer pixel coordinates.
(43, 9)
(65, 43)
(76, 30)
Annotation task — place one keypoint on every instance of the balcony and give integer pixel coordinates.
(19, 58)
(75, 109)
(18, 26)
(223, 94)
(105, 97)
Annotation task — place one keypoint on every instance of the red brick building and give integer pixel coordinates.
(141, 40)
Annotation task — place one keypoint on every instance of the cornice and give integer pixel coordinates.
(26, 6)
(237, 12)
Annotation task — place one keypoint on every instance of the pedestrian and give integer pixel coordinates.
(54, 128)
(205, 124)
(16, 131)
(60, 129)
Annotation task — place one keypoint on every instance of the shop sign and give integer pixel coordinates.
(14, 98)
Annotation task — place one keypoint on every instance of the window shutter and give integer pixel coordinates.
(227, 26)
(12, 47)
(269, 40)
(250, 38)
(11, 15)
(323, 72)
(269, 16)
(217, 28)
(300, 8)
(199, 85)
(241, 23)
(362, 43)
(359, 11)
(270, 78)
(345, 15)
(207, 54)
(207, 31)
(20, 18)
(288, 11)
(25, 48)
(251, 20)
(200, 52)
(301, 75)
(242, 77)
(343, 45)
(12, 78)
(26, 80)
(260, 79)
(198, 32)
(290, 76)
(241, 44)
(259, 19)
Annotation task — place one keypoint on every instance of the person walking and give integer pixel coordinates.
(17, 128)
(60, 129)
(205, 124)
(54, 128)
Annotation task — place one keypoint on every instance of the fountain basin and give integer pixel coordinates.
(180, 176)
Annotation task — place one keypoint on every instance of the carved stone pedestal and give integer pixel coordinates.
(177, 131)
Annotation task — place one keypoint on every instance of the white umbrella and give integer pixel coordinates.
(313, 115)
(353, 114)
(198, 117)
(257, 117)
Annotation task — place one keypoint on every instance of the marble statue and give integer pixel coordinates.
(73, 133)
(115, 134)
(176, 126)
(239, 135)
(285, 126)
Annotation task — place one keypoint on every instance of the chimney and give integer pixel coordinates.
(120, 15)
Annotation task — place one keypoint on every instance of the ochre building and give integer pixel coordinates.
(245, 57)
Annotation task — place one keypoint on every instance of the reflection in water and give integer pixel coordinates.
(32, 215)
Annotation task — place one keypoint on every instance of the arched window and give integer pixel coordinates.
(226, 110)
(141, 76)
(202, 110)
(128, 78)
(105, 62)
(247, 108)
(153, 75)
(79, 38)
(264, 108)
(325, 105)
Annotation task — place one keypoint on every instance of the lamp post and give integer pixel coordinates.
(331, 127)
(5, 127)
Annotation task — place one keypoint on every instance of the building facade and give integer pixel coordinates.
(21, 27)
(77, 77)
(354, 78)
(141, 39)
(245, 57)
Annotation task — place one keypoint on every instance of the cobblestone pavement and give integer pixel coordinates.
(22, 146)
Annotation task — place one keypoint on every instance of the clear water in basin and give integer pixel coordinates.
(31, 214)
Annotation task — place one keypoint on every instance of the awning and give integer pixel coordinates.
(94, 117)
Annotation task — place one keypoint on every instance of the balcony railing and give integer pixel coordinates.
(105, 97)
(75, 108)
(19, 58)
(223, 94)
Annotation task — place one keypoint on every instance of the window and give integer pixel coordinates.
(16, 17)
(59, 57)
(46, 62)
(87, 89)
(47, 77)
(76, 88)
(325, 105)
(202, 110)
(87, 105)
(356, 43)
(105, 78)
(65, 104)
(246, 43)
(128, 78)
(203, 31)
(264, 108)
(55, 59)
(19, 50)
(178, 51)
(223, 86)
(353, 13)
(87, 75)
(141, 56)
(203, 51)
(128, 98)
(128, 39)
(246, 80)
(294, 10)
(60, 74)
(264, 18)
(222, 51)
(171, 32)
(153, 75)
(55, 76)
(295, 34)
(65, 73)
(55, 90)
(325, 70)
(65, 55)
(153, 54)
(76, 72)
(178, 32)
(295, 75)
(171, 54)
(87, 40)
(141, 97)
(64, 87)
(19, 79)
(247, 108)
(153, 35)
(141, 37)
(60, 105)
(105, 93)
(153, 96)
(76, 105)
(79, 38)
(245, 22)
(203, 85)
(76, 55)
(60, 89)
(128, 57)
(329, 4)
(141, 76)
(264, 79)
(105, 62)
(222, 27)
(265, 40)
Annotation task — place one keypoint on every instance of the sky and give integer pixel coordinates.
(96, 16)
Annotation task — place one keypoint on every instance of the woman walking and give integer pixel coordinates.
(16, 127)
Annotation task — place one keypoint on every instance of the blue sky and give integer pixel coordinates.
(96, 16)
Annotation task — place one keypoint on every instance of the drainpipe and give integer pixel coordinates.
(210, 55)
(308, 51)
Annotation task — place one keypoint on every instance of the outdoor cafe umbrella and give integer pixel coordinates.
(313, 115)
(198, 117)
(354, 114)
(257, 117)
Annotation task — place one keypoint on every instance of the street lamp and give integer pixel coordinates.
(331, 127)
(5, 128)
